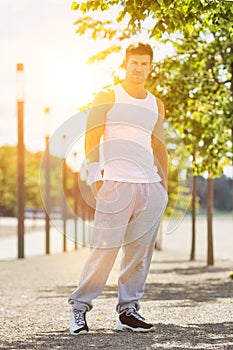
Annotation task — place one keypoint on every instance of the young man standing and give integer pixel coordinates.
(131, 195)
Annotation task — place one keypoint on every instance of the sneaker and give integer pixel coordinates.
(130, 319)
(78, 324)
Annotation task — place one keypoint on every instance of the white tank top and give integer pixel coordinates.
(128, 155)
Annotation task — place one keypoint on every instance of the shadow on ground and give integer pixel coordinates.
(167, 336)
(198, 292)
(191, 270)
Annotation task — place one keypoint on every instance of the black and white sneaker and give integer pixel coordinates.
(78, 323)
(130, 319)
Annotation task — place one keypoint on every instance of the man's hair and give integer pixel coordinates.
(139, 49)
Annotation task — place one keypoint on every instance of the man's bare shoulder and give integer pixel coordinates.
(104, 97)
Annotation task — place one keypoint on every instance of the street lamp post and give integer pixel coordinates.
(83, 177)
(75, 205)
(47, 183)
(20, 160)
(64, 212)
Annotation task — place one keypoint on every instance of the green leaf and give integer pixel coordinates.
(74, 5)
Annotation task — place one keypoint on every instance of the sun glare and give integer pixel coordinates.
(71, 81)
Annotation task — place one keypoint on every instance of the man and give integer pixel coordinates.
(130, 195)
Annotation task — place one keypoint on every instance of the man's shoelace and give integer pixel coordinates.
(134, 313)
(79, 318)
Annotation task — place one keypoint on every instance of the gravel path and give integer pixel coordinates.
(191, 305)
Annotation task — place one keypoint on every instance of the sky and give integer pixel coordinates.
(41, 35)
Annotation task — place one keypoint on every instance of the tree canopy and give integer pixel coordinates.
(157, 17)
(196, 86)
(196, 83)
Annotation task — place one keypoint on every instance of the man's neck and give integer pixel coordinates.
(135, 90)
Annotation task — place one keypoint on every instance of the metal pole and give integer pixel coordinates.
(47, 197)
(75, 210)
(84, 224)
(47, 183)
(20, 166)
(64, 176)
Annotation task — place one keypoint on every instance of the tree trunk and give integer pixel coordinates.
(193, 244)
(75, 194)
(209, 207)
(64, 211)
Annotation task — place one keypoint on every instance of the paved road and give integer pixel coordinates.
(191, 305)
(178, 242)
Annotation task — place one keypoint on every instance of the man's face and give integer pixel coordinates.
(138, 67)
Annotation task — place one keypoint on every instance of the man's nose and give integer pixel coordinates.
(138, 68)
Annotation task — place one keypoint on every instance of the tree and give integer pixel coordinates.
(197, 93)
(196, 84)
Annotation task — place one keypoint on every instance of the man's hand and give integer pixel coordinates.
(164, 184)
(95, 187)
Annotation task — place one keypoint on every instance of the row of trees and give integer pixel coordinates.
(33, 187)
(8, 185)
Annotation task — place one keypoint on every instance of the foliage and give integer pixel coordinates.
(195, 86)
(8, 177)
(32, 188)
(222, 186)
(179, 190)
(158, 18)
(165, 16)
(33, 199)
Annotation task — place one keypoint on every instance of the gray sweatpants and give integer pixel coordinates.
(127, 216)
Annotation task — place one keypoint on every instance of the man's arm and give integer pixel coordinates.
(158, 145)
(94, 130)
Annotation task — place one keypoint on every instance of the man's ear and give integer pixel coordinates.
(151, 67)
